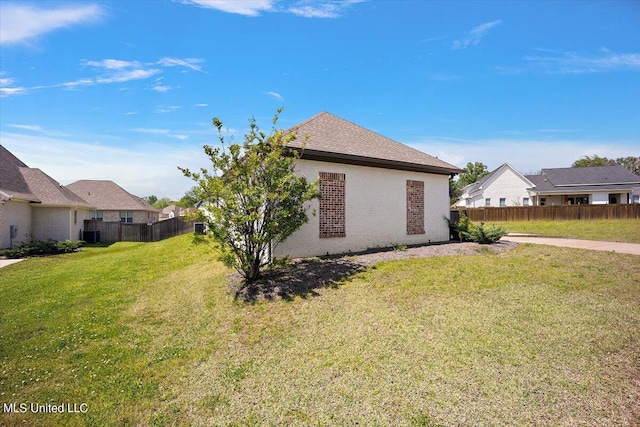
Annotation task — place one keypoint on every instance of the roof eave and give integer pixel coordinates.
(307, 154)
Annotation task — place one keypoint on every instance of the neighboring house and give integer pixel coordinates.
(171, 211)
(376, 192)
(504, 186)
(591, 185)
(114, 203)
(34, 206)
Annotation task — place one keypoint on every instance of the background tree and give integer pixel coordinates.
(473, 172)
(162, 203)
(588, 161)
(151, 199)
(630, 162)
(253, 198)
(189, 199)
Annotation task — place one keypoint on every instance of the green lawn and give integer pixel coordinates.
(147, 334)
(622, 230)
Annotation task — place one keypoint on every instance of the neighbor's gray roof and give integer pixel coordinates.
(337, 140)
(17, 180)
(12, 183)
(49, 191)
(109, 196)
(602, 178)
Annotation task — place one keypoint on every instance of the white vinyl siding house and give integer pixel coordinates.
(504, 186)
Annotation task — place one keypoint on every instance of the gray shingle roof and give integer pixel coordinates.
(12, 183)
(612, 178)
(49, 191)
(109, 196)
(22, 182)
(337, 140)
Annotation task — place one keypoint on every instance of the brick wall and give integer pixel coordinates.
(415, 207)
(332, 205)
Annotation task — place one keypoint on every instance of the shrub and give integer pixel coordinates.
(461, 228)
(39, 248)
(485, 235)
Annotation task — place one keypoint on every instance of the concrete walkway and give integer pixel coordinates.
(623, 248)
(5, 262)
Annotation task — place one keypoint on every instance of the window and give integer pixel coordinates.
(525, 201)
(332, 205)
(635, 198)
(97, 215)
(126, 216)
(503, 202)
(543, 201)
(415, 207)
(487, 202)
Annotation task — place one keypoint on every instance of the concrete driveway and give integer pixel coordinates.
(623, 248)
(5, 262)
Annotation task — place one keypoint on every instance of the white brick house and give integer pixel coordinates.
(376, 192)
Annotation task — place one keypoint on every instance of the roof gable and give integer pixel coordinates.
(109, 196)
(337, 140)
(494, 174)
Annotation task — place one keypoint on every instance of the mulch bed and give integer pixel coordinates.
(304, 276)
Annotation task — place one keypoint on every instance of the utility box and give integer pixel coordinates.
(91, 236)
(199, 228)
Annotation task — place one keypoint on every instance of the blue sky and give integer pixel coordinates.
(126, 90)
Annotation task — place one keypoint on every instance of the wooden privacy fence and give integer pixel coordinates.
(123, 232)
(552, 213)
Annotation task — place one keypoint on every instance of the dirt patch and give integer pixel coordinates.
(305, 276)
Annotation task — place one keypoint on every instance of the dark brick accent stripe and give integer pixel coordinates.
(415, 207)
(332, 205)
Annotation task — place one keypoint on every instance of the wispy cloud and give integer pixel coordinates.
(201, 105)
(191, 63)
(476, 34)
(304, 8)
(241, 7)
(558, 62)
(9, 88)
(22, 23)
(321, 9)
(275, 95)
(33, 128)
(153, 131)
(163, 109)
(108, 71)
(161, 88)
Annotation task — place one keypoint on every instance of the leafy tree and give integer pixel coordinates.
(473, 172)
(252, 196)
(630, 162)
(162, 203)
(151, 199)
(189, 199)
(588, 161)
